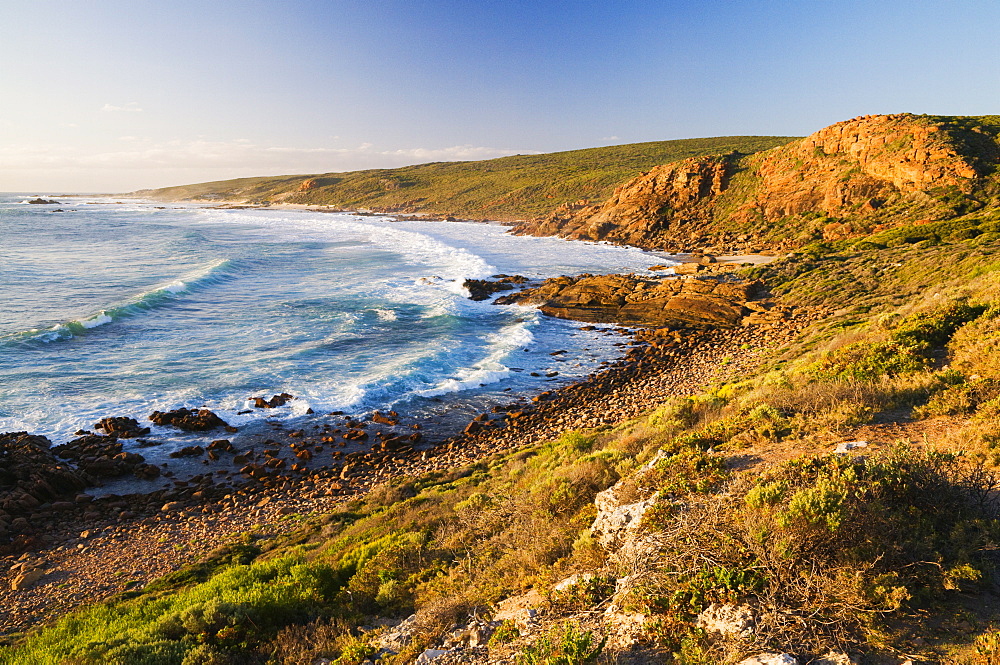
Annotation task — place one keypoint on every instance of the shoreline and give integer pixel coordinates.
(91, 547)
(114, 544)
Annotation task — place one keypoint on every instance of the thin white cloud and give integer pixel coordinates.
(131, 107)
(234, 155)
(611, 138)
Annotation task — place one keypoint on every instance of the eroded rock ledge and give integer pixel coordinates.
(641, 301)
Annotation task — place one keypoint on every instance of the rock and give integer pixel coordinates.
(125, 428)
(770, 659)
(834, 658)
(378, 418)
(688, 269)
(633, 300)
(189, 420)
(26, 580)
(188, 451)
(41, 201)
(429, 656)
(847, 446)
(147, 472)
(172, 506)
(616, 522)
(573, 580)
(522, 610)
(735, 620)
(476, 634)
(398, 637)
(625, 629)
(848, 171)
(481, 289)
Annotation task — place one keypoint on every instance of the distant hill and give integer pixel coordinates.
(508, 188)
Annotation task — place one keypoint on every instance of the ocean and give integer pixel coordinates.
(119, 307)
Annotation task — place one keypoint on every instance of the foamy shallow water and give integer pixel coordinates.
(120, 309)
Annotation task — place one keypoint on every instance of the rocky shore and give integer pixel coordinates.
(67, 547)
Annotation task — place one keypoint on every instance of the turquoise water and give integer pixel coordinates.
(122, 308)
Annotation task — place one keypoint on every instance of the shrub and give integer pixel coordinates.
(868, 361)
(975, 348)
(829, 544)
(584, 593)
(961, 399)
(505, 633)
(563, 645)
(907, 349)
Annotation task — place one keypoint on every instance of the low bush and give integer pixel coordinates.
(563, 645)
(846, 542)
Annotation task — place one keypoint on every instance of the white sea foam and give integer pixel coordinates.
(303, 328)
(96, 320)
(491, 368)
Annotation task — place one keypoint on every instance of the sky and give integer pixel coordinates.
(116, 95)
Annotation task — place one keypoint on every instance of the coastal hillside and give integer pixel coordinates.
(506, 189)
(810, 475)
(850, 179)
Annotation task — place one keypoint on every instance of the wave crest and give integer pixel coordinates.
(195, 280)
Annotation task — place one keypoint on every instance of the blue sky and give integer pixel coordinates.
(109, 95)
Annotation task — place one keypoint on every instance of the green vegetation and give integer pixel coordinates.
(830, 551)
(565, 645)
(508, 188)
(888, 549)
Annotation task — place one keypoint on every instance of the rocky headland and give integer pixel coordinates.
(849, 179)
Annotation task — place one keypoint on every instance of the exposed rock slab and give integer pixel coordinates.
(633, 300)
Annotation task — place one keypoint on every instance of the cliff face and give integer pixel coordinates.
(850, 178)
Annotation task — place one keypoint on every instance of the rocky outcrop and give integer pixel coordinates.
(639, 301)
(30, 476)
(617, 521)
(482, 289)
(121, 427)
(847, 179)
(190, 420)
(104, 457)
